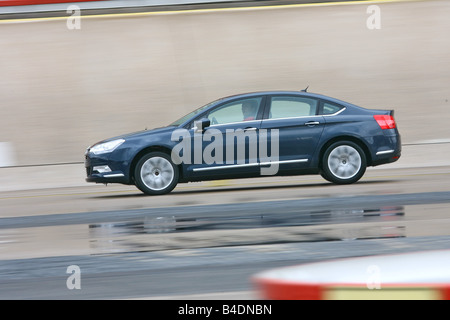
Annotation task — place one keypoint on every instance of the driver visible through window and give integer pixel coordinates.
(236, 111)
(249, 110)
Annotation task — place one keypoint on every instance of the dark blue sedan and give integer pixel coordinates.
(251, 135)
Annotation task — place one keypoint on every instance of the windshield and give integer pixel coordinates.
(191, 114)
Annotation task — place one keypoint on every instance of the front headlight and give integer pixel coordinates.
(106, 147)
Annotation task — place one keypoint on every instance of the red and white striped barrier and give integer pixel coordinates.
(7, 3)
(410, 276)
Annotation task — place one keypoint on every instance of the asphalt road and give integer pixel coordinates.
(206, 240)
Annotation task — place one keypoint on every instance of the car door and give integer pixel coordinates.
(230, 143)
(299, 128)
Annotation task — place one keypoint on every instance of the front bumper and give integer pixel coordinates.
(101, 169)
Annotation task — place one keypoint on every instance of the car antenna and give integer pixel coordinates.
(306, 89)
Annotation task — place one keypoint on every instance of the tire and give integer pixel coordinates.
(343, 162)
(156, 174)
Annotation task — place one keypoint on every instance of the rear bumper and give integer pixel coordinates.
(390, 152)
(394, 157)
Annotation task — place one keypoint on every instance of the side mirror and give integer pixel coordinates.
(200, 125)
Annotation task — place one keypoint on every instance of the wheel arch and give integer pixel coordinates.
(353, 139)
(145, 151)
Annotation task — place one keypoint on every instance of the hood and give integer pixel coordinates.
(139, 134)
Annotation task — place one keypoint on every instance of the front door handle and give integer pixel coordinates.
(250, 129)
(312, 123)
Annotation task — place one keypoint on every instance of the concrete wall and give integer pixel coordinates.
(62, 90)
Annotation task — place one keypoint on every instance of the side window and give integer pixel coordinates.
(330, 108)
(236, 111)
(291, 107)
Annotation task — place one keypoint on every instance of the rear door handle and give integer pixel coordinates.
(312, 123)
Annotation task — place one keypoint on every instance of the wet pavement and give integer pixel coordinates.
(210, 237)
(171, 228)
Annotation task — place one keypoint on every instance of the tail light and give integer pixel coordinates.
(385, 121)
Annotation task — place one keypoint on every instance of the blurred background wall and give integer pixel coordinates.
(62, 90)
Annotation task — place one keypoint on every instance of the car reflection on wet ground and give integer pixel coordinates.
(170, 232)
(238, 224)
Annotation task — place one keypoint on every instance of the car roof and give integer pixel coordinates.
(288, 92)
(272, 92)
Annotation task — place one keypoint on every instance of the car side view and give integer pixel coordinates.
(251, 135)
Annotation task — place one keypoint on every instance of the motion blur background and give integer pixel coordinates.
(62, 90)
(140, 64)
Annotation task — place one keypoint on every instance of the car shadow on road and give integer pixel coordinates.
(224, 189)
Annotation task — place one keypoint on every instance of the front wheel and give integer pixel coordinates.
(156, 174)
(344, 162)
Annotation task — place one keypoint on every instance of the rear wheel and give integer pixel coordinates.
(343, 162)
(156, 174)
